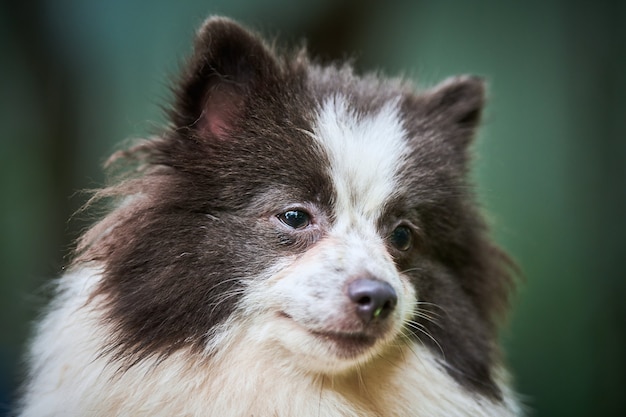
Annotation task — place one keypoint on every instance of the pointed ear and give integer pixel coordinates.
(228, 64)
(454, 107)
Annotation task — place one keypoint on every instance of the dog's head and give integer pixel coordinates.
(305, 209)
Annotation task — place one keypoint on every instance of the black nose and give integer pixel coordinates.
(373, 299)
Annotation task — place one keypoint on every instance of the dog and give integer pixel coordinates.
(298, 241)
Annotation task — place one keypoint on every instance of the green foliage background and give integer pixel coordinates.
(77, 77)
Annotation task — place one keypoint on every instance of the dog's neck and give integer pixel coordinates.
(406, 379)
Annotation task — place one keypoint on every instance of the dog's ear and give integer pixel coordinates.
(453, 107)
(228, 65)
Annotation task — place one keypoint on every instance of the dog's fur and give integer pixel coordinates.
(221, 283)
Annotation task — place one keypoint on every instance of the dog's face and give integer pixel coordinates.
(303, 210)
(337, 296)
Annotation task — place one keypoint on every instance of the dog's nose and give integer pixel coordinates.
(374, 299)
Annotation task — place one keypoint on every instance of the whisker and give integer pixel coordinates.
(426, 303)
(410, 347)
(429, 318)
(421, 328)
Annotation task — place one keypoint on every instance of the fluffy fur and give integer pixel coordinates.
(300, 241)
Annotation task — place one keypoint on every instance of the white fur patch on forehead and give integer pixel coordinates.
(365, 150)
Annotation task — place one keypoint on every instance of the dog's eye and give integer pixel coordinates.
(296, 219)
(401, 238)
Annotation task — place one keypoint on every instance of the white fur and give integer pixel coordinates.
(365, 153)
(311, 290)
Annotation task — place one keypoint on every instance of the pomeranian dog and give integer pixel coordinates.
(298, 241)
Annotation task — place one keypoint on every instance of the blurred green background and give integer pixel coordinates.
(79, 76)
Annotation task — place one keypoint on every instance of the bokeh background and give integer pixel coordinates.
(77, 77)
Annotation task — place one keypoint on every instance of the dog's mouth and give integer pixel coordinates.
(344, 344)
